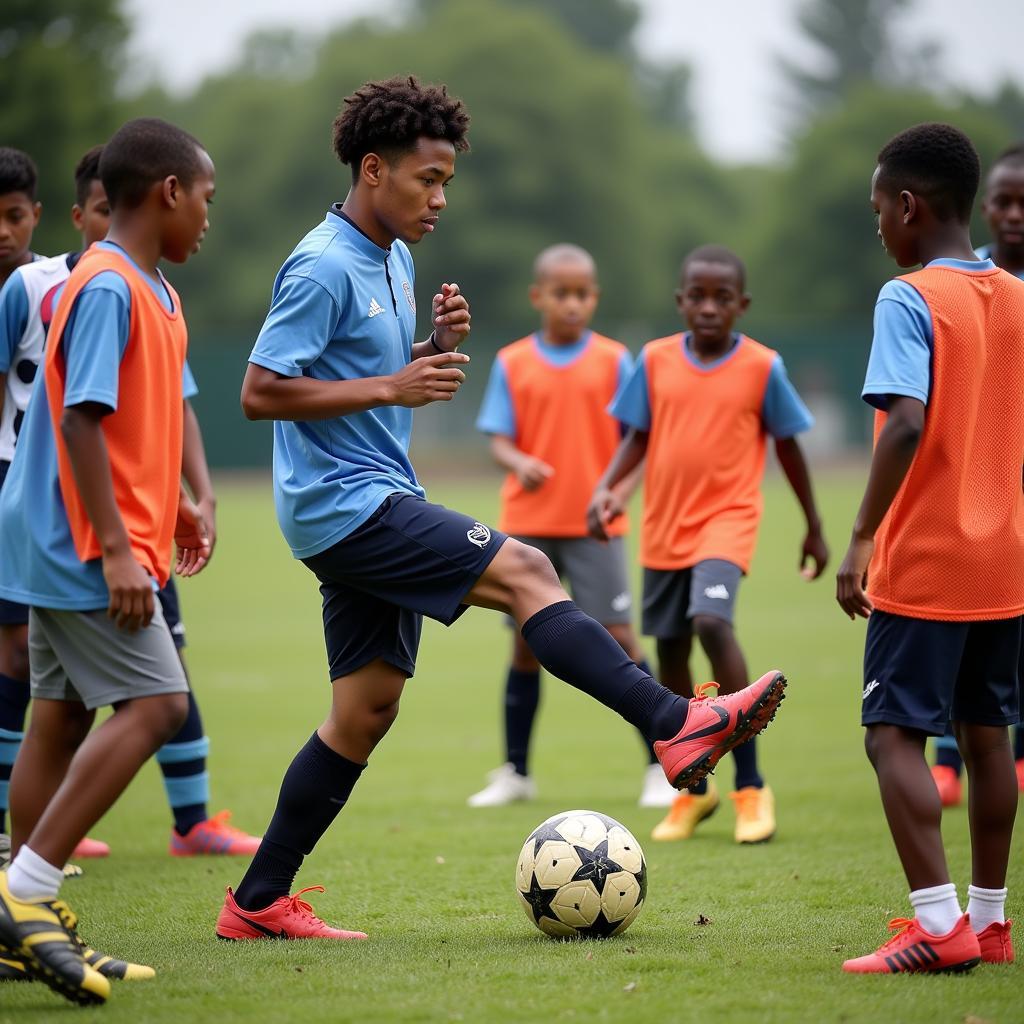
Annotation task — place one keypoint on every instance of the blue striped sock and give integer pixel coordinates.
(186, 780)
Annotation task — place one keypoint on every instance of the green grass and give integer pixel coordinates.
(432, 881)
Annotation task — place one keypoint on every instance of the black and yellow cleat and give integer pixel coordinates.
(41, 934)
(13, 969)
(122, 970)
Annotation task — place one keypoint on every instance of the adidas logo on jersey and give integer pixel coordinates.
(719, 592)
(375, 308)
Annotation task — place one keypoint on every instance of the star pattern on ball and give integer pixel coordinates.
(539, 899)
(596, 866)
(548, 831)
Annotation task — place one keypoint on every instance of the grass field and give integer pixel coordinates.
(432, 881)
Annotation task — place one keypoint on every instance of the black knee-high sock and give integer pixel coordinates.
(652, 758)
(745, 756)
(522, 695)
(14, 697)
(578, 649)
(315, 787)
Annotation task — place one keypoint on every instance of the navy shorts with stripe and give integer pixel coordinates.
(409, 559)
(919, 673)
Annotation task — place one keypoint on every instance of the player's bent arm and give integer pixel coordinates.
(268, 395)
(131, 593)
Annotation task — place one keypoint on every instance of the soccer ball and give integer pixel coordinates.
(581, 875)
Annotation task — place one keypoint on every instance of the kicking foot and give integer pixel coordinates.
(996, 947)
(755, 814)
(506, 786)
(37, 933)
(287, 917)
(656, 792)
(214, 837)
(947, 782)
(688, 811)
(716, 725)
(914, 949)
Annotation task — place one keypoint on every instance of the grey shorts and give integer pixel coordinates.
(596, 573)
(83, 656)
(672, 597)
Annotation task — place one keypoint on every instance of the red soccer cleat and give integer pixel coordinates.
(286, 918)
(214, 837)
(715, 725)
(1020, 769)
(90, 848)
(996, 947)
(947, 782)
(914, 949)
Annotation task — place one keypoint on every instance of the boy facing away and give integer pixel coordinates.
(91, 505)
(546, 411)
(1002, 204)
(27, 305)
(700, 406)
(936, 561)
(336, 366)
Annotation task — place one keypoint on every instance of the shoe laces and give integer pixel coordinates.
(900, 925)
(701, 692)
(301, 907)
(69, 920)
(746, 801)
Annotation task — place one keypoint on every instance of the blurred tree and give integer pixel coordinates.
(59, 64)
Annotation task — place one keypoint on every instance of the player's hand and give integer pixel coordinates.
(852, 579)
(208, 510)
(131, 591)
(532, 472)
(451, 317)
(605, 506)
(430, 379)
(814, 550)
(192, 538)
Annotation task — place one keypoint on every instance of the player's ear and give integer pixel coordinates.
(679, 295)
(745, 301)
(170, 189)
(535, 295)
(371, 168)
(77, 215)
(909, 202)
(37, 212)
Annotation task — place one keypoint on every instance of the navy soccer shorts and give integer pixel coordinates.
(919, 673)
(172, 612)
(409, 559)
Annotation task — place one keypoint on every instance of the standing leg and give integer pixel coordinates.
(14, 698)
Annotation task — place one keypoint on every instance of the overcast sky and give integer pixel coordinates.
(731, 46)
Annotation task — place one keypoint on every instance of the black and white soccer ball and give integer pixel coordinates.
(581, 875)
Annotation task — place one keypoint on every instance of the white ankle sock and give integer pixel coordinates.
(31, 877)
(985, 906)
(937, 908)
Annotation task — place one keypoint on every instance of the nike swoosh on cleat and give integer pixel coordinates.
(282, 934)
(723, 721)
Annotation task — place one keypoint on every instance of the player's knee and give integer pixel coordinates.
(173, 711)
(14, 653)
(525, 565)
(713, 633)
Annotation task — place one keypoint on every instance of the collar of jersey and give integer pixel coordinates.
(355, 236)
(159, 282)
(971, 266)
(697, 364)
(561, 355)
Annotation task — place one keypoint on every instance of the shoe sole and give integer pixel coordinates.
(762, 711)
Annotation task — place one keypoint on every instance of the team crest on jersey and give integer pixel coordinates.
(409, 297)
(479, 535)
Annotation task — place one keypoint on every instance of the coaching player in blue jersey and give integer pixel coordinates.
(337, 368)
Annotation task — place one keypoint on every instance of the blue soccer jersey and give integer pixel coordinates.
(342, 309)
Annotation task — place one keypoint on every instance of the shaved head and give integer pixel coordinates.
(557, 257)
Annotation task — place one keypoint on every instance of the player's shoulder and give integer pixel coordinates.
(660, 346)
(522, 348)
(44, 271)
(602, 343)
(758, 350)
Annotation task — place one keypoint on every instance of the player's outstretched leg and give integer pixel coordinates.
(690, 738)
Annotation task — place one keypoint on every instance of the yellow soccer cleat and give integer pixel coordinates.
(688, 810)
(37, 932)
(755, 814)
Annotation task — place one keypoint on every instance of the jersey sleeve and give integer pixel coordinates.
(783, 412)
(13, 318)
(302, 320)
(497, 414)
(94, 341)
(901, 350)
(631, 404)
(189, 388)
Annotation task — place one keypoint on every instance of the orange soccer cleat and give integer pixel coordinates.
(287, 917)
(996, 947)
(1020, 770)
(90, 848)
(715, 725)
(947, 782)
(214, 837)
(914, 949)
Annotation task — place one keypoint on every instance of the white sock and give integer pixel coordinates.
(985, 906)
(30, 877)
(937, 908)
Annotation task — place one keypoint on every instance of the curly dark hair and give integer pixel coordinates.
(87, 170)
(1011, 155)
(715, 254)
(17, 172)
(936, 161)
(145, 151)
(388, 117)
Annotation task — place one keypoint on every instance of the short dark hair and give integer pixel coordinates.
(388, 117)
(1011, 155)
(17, 172)
(145, 151)
(936, 161)
(715, 254)
(86, 172)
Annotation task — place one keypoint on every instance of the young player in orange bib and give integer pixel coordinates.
(546, 412)
(936, 560)
(701, 406)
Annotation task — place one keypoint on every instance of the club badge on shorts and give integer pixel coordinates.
(479, 535)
